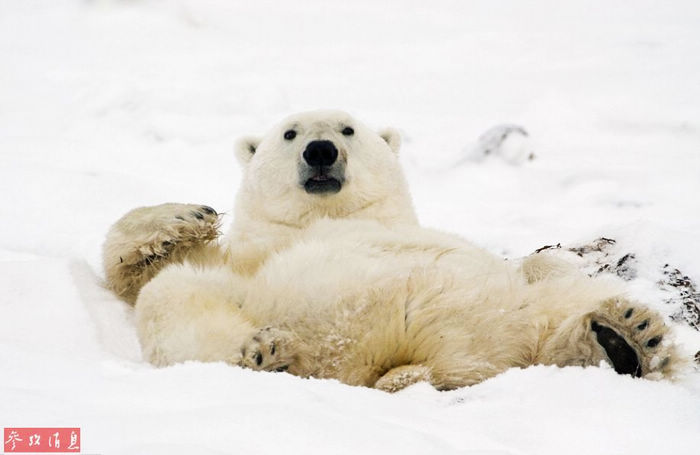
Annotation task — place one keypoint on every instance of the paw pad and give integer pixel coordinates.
(654, 342)
(268, 350)
(621, 354)
(631, 336)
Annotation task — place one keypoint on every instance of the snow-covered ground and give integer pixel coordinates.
(108, 105)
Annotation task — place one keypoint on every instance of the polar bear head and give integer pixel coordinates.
(322, 164)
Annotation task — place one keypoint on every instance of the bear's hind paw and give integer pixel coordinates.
(401, 377)
(633, 339)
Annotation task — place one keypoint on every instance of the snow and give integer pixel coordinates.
(108, 105)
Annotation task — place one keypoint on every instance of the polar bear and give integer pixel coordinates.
(326, 273)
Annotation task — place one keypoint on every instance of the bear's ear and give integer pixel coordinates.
(392, 138)
(245, 149)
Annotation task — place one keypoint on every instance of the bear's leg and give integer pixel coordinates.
(544, 265)
(146, 239)
(627, 335)
(401, 377)
(189, 312)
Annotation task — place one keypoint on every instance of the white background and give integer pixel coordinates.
(109, 105)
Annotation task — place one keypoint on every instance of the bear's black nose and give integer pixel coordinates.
(320, 153)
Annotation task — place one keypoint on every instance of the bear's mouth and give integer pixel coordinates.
(322, 183)
(320, 179)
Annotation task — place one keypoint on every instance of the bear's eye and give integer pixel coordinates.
(290, 134)
(347, 131)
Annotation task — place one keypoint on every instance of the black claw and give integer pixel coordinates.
(208, 210)
(643, 325)
(282, 368)
(198, 215)
(179, 218)
(654, 341)
(628, 313)
(258, 359)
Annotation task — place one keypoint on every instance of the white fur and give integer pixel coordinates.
(347, 286)
(272, 209)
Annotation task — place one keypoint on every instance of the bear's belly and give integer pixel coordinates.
(338, 262)
(362, 308)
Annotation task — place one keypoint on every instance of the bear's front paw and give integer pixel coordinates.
(181, 226)
(633, 338)
(268, 350)
(148, 238)
(151, 234)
